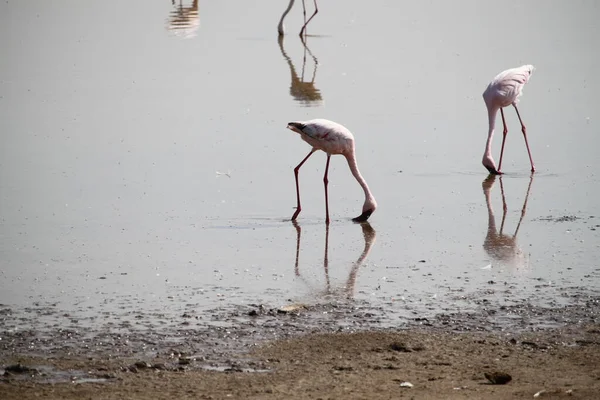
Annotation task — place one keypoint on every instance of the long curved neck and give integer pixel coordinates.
(280, 28)
(492, 124)
(361, 181)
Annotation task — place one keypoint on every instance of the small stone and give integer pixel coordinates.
(184, 360)
(497, 377)
(142, 364)
(19, 369)
(401, 347)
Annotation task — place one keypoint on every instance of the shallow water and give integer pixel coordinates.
(148, 169)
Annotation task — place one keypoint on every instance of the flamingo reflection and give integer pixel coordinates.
(304, 92)
(184, 20)
(347, 290)
(500, 246)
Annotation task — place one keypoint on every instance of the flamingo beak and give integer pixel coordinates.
(493, 171)
(295, 126)
(364, 216)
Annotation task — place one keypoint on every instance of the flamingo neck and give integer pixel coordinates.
(361, 181)
(280, 27)
(492, 125)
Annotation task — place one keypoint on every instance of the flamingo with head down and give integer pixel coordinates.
(332, 138)
(504, 90)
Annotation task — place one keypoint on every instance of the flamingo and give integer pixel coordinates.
(332, 138)
(504, 90)
(280, 27)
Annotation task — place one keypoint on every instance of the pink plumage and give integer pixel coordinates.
(332, 138)
(504, 90)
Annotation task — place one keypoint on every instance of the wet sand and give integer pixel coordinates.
(304, 352)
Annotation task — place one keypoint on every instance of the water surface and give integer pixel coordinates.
(145, 164)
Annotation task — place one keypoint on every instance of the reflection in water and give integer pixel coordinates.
(280, 27)
(499, 245)
(302, 91)
(348, 289)
(184, 21)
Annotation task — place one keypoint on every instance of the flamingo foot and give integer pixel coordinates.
(296, 214)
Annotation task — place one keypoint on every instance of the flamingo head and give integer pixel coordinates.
(368, 208)
(297, 127)
(490, 165)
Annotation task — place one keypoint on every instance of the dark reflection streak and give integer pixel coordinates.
(524, 209)
(298, 235)
(303, 92)
(497, 244)
(326, 258)
(369, 235)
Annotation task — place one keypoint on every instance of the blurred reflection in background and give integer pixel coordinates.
(500, 246)
(346, 291)
(304, 92)
(184, 20)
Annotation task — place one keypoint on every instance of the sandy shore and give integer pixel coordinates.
(446, 357)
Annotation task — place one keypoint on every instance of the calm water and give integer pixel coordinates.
(144, 160)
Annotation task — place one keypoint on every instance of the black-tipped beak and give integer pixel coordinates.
(363, 217)
(295, 126)
(493, 171)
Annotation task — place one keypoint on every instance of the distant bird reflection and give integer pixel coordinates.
(184, 21)
(304, 92)
(347, 290)
(497, 244)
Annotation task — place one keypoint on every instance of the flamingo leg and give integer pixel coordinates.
(524, 130)
(303, 31)
(299, 208)
(325, 182)
(504, 132)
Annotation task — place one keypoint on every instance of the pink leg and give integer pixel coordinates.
(298, 208)
(303, 31)
(326, 181)
(504, 132)
(524, 130)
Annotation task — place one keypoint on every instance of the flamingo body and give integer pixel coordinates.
(504, 90)
(332, 138)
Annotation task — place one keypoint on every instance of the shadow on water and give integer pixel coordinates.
(346, 291)
(303, 91)
(184, 20)
(499, 245)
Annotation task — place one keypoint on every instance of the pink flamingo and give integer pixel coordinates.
(280, 27)
(504, 90)
(332, 138)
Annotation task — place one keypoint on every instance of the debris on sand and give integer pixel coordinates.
(498, 377)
